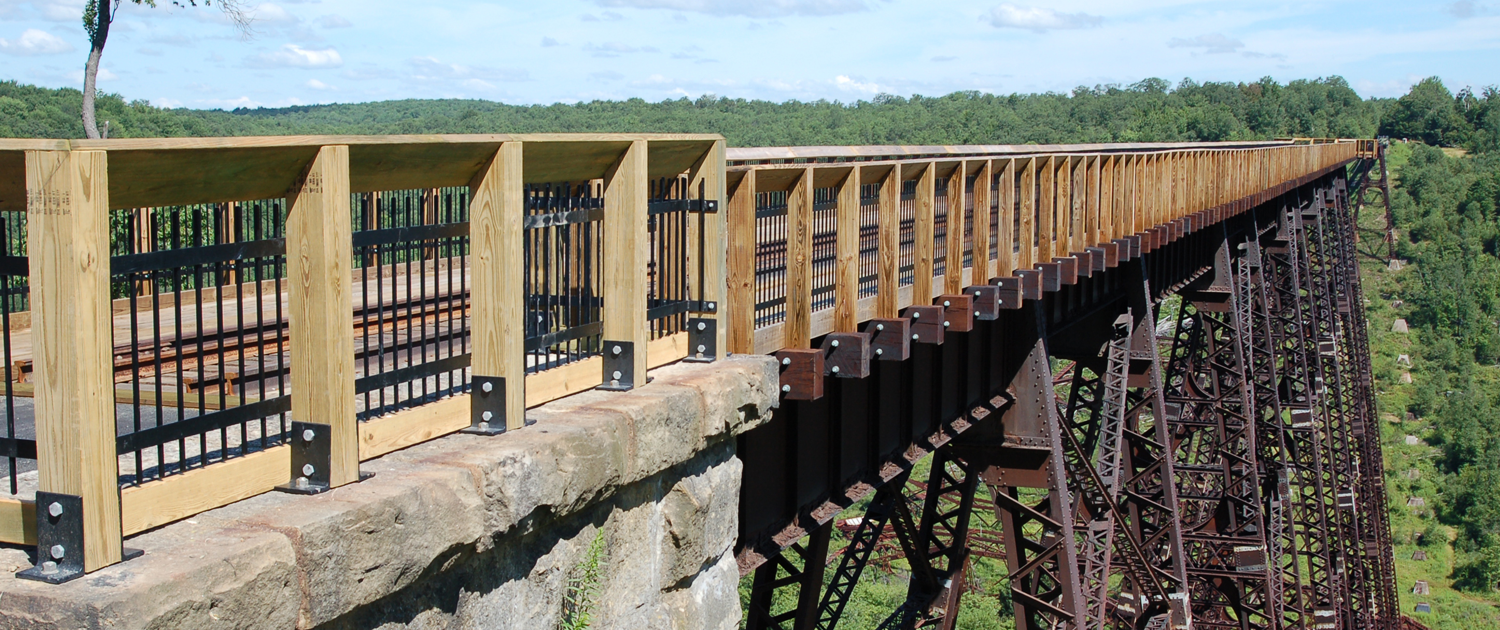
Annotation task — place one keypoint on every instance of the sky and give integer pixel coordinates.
(300, 52)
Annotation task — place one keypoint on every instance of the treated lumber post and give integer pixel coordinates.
(983, 198)
(846, 265)
(67, 204)
(706, 240)
(1045, 202)
(1098, 203)
(740, 300)
(889, 245)
(626, 250)
(923, 234)
(953, 268)
(498, 291)
(1029, 212)
(1005, 260)
(319, 251)
(799, 232)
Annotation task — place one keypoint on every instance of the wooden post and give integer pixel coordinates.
(626, 248)
(923, 235)
(889, 245)
(741, 297)
(953, 268)
(1045, 202)
(796, 332)
(498, 295)
(983, 197)
(1098, 203)
(708, 285)
(1029, 212)
(319, 251)
(846, 265)
(67, 203)
(1005, 260)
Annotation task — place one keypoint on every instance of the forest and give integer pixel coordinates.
(1438, 386)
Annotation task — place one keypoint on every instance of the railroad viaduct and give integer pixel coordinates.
(522, 381)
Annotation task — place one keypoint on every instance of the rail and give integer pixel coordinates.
(212, 317)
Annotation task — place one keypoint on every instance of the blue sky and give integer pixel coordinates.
(318, 51)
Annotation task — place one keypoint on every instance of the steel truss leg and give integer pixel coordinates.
(1149, 494)
(937, 548)
(802, 571)
(1209, 405)
(857, 555)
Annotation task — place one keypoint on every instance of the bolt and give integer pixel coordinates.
(879, 327)
(946, 324)
(835, 369)
(916, 315)
(488, 387)
(947, 304)
(786, 361)
(977, 294)
(487, 416)
(308, 435)
(302, 483)
(835, 343)
(879, 352)
(49, 567)
(702, 326)
(616, 350)
(55, 509)
(307, 469)
(786, 388)
(618, 375)
(702, 348)
(914, 337)
(484, 426)
(58, 552)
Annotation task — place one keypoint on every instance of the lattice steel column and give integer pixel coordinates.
(799, 567)
(1209, 405)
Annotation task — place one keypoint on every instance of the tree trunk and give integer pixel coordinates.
(91, 70)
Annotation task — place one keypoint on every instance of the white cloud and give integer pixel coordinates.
(334, 21)
(270, 14)
(35, 42)
(750, 8)
(850, 85)
(1212, 43)
(429, 69)
(294, 56)
(76, 76)
(615, 49)
(166, 103)
(318, 85)
(60, 10)
(1038, 19)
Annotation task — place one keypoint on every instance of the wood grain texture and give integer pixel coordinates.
(740, 300)
(799, 280)
(498, 291)
(1029, 211)
(626, 248)
(17, 522)
(68, 202)
(1094, 226)
(1045, 203)
(984, 179)
(707, 247)
(846, 265)
(410, 427)
(177, 497)
(923, 231)
(953, 267)
(888, 235)
(1005, 259)
(319, 253)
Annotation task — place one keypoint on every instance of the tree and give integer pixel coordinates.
(98, 15)
(1428, 113)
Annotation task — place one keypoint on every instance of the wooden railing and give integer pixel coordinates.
(522, 262)
(485, 288)
(1050, 213)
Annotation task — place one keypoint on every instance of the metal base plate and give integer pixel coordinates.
(58, 574)
(314, 488)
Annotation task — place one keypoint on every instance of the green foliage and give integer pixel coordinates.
(1149, 111)
(582, 595)
(1428, 113)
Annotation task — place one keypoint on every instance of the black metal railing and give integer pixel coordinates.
(564, 272)
(18, 443)
(667, 224)
(201, 344)
(411, 327)
(908, 234)
(869, 240)
(939, 230)
(770, 257)
(824, 247)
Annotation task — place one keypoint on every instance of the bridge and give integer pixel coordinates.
(1148, 360)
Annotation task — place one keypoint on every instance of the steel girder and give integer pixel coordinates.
(799, 569)
(1209, 404)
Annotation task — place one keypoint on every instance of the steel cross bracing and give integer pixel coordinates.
(1209, 405)
(1307, 502)
(1239, 486)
